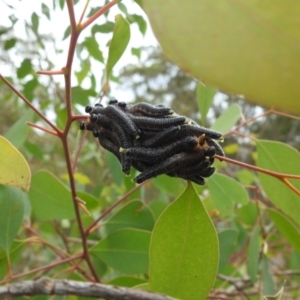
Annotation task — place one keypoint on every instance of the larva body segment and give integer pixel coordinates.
(140, 166)
(157, 123)
(156, 155)
(111, 147)
(110, 124)
(110, 135)
(197, 131)
(202, 168)
(150, 110)
(122, 119)
(197, 179)
(97, 110)
(162, 137)
(218, 149)
(180, 160)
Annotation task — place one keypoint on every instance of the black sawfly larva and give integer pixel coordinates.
(180, 160)
(157, 123)
(122, 119)
(158, 154)
(150, 110)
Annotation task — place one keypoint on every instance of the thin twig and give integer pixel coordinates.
(96, 15)
(29, 104)
(258, 169)
(83, 12)
(41, 128)
(50, 73)
(110, 208)
(46, 267)
(46, 286)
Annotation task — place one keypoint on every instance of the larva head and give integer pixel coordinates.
(93, 118)
(122, 104)
(113, 101)
(95, 133)
(82, 125)
(88, 109)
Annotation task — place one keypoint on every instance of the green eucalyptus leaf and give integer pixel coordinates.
(141, 22)
(157, 207)
(50, 198)
(67, 32)
(248, 214)
(253, 254)
(118, 44)
(243, 47)
(167, 184)
(227, 119)
(183, 244)
(114, 168)
(25, 68)
(34, 149)
(46, 11)
(268, 282)
(18, 133)
(85, 69)
(14, 169)
(35, 22)
(107, 27)
(286, 227)
(10, 43)
(282, 158)
(80, 95)
(126, 250)
(205, 96)
(29, 87)
(226, 192)
(136, 52)
(11, 215)
(93, 48)
(133, 215)
(126, 281)
(123, 8)
(227, 242)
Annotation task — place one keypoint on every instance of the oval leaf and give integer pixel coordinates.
(18, 133)
(257, 58)
(253, 254)
(227, 242)
(133, 215)
(126, 250)
(286, 228)
(11, 215)
(183, 244)
(118, 44)
(279, 157)
(226, 192)
(14, 169)
(205, 96)
(228, 119)
(50, 198)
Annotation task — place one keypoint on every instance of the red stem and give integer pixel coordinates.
(29, 104)
(96, 15)
(281, 176)
(265, 171)
(110, 208)
(46, 267)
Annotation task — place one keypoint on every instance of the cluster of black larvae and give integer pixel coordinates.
(154, 140)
